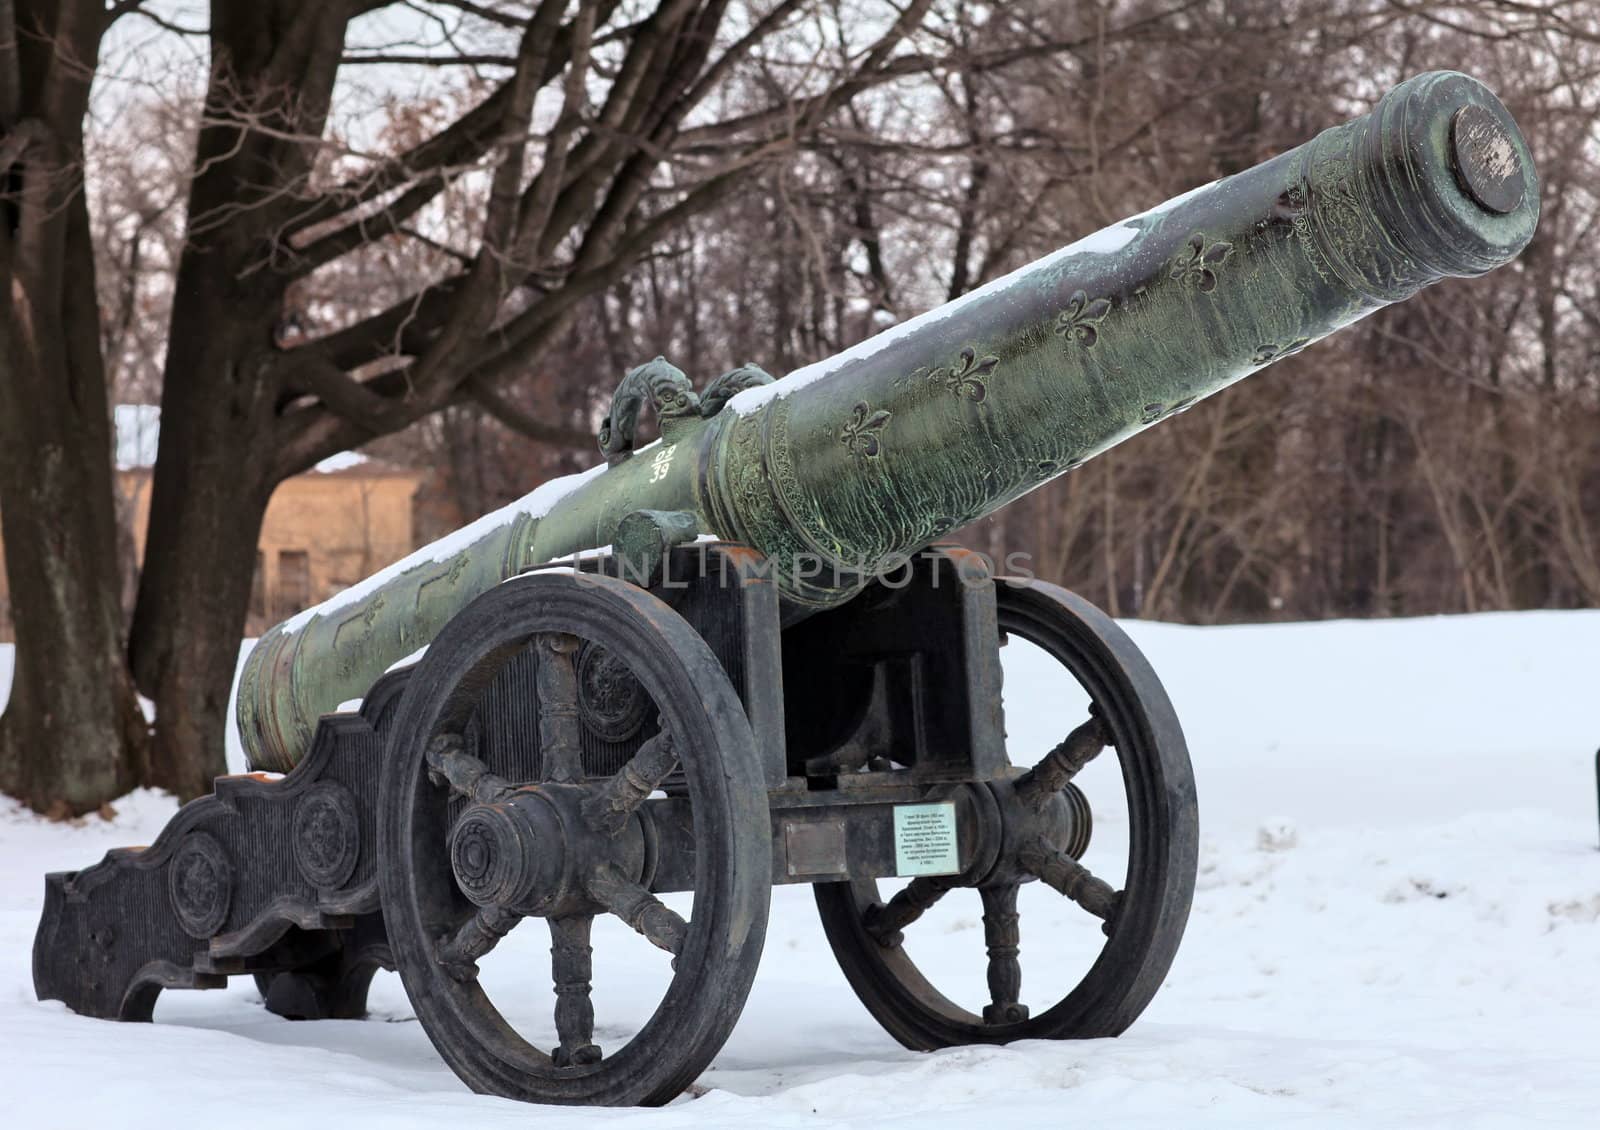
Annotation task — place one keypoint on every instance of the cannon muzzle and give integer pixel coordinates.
(844, 466)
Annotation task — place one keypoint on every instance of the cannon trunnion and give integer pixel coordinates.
(575, 745)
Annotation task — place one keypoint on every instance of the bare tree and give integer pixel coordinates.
(72, 736)
(603, 128)
(580, 183)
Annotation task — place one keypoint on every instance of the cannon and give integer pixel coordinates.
(741, 656)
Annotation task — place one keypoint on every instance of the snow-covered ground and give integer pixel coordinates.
(1397, 924)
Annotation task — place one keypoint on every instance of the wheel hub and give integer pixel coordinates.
(534, 853)
(1060, 819)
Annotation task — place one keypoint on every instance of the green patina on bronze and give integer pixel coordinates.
(853, 463)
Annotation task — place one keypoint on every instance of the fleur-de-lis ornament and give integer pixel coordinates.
(1079, 322)
(1265, 354)
(965, 378)
(1196, 266)
(861, 433)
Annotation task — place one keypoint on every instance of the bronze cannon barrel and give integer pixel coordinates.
(840, 468)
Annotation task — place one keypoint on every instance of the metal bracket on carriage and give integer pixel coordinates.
(198, 905)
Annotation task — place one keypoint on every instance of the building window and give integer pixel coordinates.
(294, 581)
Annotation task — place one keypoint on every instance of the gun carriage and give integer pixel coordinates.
(740, 657)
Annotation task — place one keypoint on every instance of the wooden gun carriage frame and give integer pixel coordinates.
(575, 743)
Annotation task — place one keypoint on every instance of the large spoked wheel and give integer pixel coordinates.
(1044, 830)
(467, 854)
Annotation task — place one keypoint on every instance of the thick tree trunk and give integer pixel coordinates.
(205, 515)
(217, 462)
(214, 474)
(72, 736)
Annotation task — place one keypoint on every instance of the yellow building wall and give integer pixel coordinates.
(348, 524)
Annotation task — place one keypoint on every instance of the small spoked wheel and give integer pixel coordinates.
(1043, 830)
(476, 835)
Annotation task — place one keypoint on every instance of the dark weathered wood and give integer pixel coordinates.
(557, 689)
(459, 952)
(1071, 878)
(114, 935)
(658, 922)
(1035, 815)
(1061, 764)
(535, 850)
(1003, 939)
(439, 798)
(572, 966)
(886, 921)
(466, 776)
(609, 808)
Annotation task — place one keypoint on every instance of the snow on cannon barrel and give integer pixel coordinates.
(842, 466)
(610, 727)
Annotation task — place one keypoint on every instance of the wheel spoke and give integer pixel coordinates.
(608, 809)
(885, 921)
(1002, 937)
(1060, 765)
(556, 683)
(658, 922)
(459, 953)
(1072, 879)
(572, 966)
(449, 763)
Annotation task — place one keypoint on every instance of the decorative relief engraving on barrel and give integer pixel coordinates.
(862, 433)
(449, 578)
(780, 458)
(750, 501)
(354, 630)
(749, 487)
(1196, 265)
(1080, 321)
(1344, 221)
(966, 377)
(1291, 204)
(327, 835)
(200, 885)
(1269, 352)
(611, 702)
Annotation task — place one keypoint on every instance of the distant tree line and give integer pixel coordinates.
(443, 229)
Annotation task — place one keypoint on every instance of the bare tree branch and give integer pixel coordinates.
(525, 424)
(455, 60)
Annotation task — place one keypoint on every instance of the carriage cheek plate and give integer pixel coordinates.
(925, 839)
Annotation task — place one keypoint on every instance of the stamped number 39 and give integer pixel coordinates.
(662, 463)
